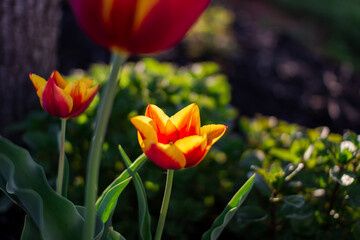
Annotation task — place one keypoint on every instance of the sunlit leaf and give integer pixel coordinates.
(144, 215)
(223, 219)
(138, 163)
(110, 199)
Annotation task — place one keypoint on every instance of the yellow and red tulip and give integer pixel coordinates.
(137, 26)
(61, 98)
(178, 141)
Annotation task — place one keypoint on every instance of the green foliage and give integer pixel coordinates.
(24, 182)
(171, 88)
(223, 219)
(144, 215)
(109, 201)
(307, 186)
(311, 176)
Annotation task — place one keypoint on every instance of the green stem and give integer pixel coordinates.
(97, 142)
(60, 178)
(165, 204)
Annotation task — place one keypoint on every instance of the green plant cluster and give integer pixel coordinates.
(144, 82)
(309, 184)
(306, 186)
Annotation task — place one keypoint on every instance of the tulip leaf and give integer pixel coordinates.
(24, 182)
(110, 199)
(139, 162)
(144, 215)
(114, 235)
(223, 219)
(30, 230)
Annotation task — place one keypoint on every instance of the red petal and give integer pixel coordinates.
(56, 101)
(165, 25)
(164, 155)
(193, 148)
(83, 106)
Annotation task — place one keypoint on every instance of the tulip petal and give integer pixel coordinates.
(160, 119)
(171, 134)
(88, 82)
(167, 156)
(143, 7)
(146, 127)
(56, 101)
(107, 6)
(213, 132)
(165, 25)
(59, 80)
(86, 101)
(193, 148)
(38, 81)
(187, 121)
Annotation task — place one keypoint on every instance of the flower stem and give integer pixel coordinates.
(97, 142)
(60, 178)
(165, 204)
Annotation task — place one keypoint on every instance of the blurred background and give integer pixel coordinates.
(297, 61)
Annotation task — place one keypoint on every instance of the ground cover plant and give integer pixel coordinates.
(307, 183)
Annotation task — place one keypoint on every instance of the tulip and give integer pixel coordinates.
(176, 142)
(137, 26)
(61, 98)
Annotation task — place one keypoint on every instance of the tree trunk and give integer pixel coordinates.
(28, 43)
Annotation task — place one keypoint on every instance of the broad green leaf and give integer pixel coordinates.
(5, 203)
(124, 175)
(30, 230)
(223, 219)
(110, 199)
(24, 181)
(284, 154)
(144, 215)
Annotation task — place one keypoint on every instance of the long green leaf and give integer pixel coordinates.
(110, 199)
(223, 219)
(114, 235)
(144, 215)
(24, 181)
(139, 162)
(30, 230)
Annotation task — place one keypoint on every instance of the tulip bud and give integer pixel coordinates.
(61, 98)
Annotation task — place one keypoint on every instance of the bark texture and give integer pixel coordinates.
(28, 43)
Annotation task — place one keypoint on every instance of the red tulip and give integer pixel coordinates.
(176, 142)
(61, 98)
(137, 26)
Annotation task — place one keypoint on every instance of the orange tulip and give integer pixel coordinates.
(61, 98)
(137, 26)
(176, 142)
